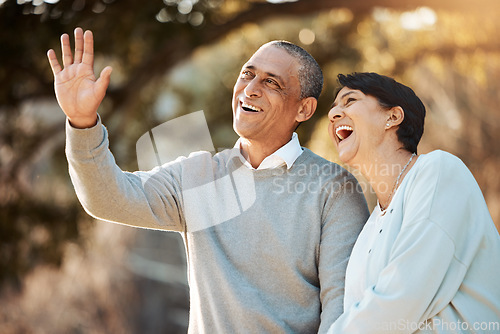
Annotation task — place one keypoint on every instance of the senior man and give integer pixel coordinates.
(262, 257)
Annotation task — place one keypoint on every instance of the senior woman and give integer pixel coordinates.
(428, 258)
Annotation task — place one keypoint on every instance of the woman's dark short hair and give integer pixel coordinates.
(389, 94)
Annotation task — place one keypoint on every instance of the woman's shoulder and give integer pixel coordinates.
(444, 167)
(440, 155)
(443, 159)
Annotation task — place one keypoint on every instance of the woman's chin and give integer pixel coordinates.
(346, 156)
(347, 149)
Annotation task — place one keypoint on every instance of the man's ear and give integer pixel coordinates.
(396, 116)
(307, 109)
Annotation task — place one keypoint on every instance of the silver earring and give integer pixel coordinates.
(387, 125)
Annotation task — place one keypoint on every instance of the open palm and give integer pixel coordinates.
(78, 92)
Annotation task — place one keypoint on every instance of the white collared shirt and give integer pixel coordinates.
(287, 154)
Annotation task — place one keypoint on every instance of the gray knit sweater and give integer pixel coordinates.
(267, 249)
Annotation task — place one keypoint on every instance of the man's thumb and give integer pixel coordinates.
(104, 78)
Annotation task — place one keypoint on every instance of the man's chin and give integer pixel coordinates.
(244, 131)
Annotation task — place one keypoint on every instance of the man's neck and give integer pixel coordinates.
(255, 151)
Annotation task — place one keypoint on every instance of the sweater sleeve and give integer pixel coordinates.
(344, 216)
(429, 257)
(142, 199)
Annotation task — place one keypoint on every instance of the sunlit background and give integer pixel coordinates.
(63, 272)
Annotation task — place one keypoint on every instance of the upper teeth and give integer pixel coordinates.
(340, 128)
(245, 105)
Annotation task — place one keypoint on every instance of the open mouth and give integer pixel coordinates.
(250, 108)
(343, 132)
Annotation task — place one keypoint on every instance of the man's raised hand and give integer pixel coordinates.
(78, 92)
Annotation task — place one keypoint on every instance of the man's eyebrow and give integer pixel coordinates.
(270, 74)
(334, 104)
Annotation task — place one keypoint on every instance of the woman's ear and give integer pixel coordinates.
(307, 109)
(396, 117)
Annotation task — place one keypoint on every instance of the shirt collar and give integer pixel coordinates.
(286, 154)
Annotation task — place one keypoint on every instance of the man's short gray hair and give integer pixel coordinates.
(310, 74)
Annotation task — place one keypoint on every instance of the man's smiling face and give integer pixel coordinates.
(266, 96)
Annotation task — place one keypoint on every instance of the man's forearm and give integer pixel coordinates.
(108, 193)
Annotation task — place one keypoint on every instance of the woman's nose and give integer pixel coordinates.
(335, 114)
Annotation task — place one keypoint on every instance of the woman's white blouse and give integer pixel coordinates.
(431, 262)
(356, 268)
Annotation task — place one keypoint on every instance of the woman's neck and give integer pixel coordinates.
(386, 172)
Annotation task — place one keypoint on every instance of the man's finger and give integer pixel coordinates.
(103, 81)
(66, 50)
(54, 64)
(78, 45)
(88, 48)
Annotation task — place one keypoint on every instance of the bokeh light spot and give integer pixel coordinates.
(422, 18)
(307, 36)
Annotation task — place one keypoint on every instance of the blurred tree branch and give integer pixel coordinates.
(181, 45)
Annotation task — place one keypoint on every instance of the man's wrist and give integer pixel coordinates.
(85, 123)
(84, 139)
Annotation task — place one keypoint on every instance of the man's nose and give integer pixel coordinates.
(253, 89)
(335, 114)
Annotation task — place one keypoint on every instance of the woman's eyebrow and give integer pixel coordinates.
(334, 104)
